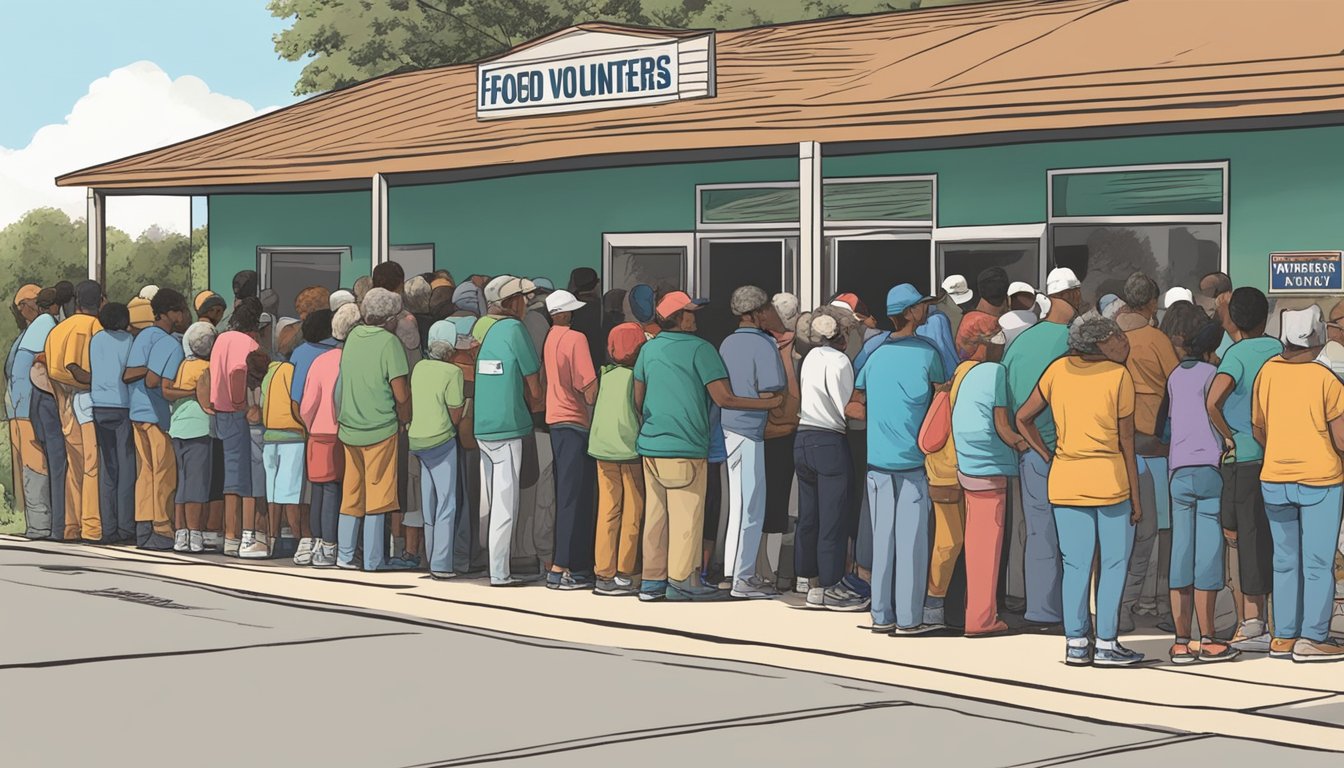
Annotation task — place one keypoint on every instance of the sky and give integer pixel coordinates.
(89, 81)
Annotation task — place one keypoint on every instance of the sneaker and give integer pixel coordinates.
(935, 617)
(1252, 637)
(195, 542)
(803, 586)
(1305, 651)
(999, 627)
(324, 555)
(352, 565)
(919, 629)
(816, 598)
(402, 562)
(754, 588)
(1281, 647)
(1212, 652)
(857, 585)
(629, 581)
(304, 554)
(614, 588)
(511, 581)
(1116, 656)
(253, 547)
(1078, 655)
(231, 547)
(181, 541)
(653, 590)
(882, 629)
(689, 591)
(214, 542)
(566, 581)
(841, 598)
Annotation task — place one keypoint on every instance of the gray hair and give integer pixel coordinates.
(416, 295)
(361, 287)
(380, 305)
(1084, 336)
(199, 339)
(748, 299)
(346, 318)
(1139, 291)
(787, 305)
(441, 350)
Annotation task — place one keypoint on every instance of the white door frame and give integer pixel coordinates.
(684, 240)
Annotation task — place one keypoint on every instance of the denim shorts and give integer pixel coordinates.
(237, 440)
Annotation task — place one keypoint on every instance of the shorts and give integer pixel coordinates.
(325, 459)
(284, 472)
(235, 436)
(194, 470)
(216, 469)
(370, 483)
(258, 461)
(1243, 511)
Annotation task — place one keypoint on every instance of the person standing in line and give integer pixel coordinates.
(1197, 570)
(672, 374)
(751, 357)
(571, 390)
(508, 390)
(189, 428)
(893, 390)
(67, 350)
(710, 571)
(585, 284)
(43, 411)
(324, 457)
(437, 402)
(468, 544)
(35, 320)
(781, 426)
(1298, 416)
(1093, 481)
(982, 323)
(228, 400)
(620, 478)
(642, 299)
(109, 351)
(987, 445)
(317, 341)
(282, 452)
(210, 307)
(1030, 354)
(949, 510)
(1215, 289)
(1152, 358)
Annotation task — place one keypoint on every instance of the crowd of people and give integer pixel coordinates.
(502, 427)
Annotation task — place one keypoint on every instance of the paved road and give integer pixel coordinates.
(104, 665)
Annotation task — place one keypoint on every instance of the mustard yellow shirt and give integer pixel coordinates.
(941, 467)
(276, 414)
(1294, 404)
(68, 343)
(1088, 400)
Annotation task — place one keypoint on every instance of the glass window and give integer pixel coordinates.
(1103, 256)
(289, 272)
(895, 200)
(1175, 192)
(726, 265)
(1020, 259)
(753, 205)
(663, 267)
(869, 268)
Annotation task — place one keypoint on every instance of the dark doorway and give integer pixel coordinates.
(726, 265)
(870, 268)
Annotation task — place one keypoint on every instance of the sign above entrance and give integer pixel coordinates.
(582, 69)
(1305, 272)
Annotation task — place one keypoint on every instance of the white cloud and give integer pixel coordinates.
(135, 108)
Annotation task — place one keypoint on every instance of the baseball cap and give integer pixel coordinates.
(1302, 327)
(142, 315)
(1177, 294)
(956, 287)
(903, 297)
(507, 286)
(1015, 322)
(27, 292)
(677, 301)
(1020, 287)
(463, 326)
(563, 301)
(1061, 279)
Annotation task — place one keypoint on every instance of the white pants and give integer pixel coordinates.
(501, 461)
(746, 505)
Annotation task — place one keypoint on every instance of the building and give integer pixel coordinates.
(1175, 136)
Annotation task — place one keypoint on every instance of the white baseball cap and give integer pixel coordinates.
(1061, 279)
(1020, 287)
(563, 301)
(1177, 294)
(1015, 322)
(506, 286)
(956, 287)
(1302, 327)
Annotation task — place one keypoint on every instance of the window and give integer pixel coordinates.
(869, 266)
(1104, 255)
(749, 205)
(895, 200)
(287, 271)
(1020, 259)
(728, 264)
(1158, 192)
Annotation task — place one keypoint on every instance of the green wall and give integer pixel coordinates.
(1286, 188)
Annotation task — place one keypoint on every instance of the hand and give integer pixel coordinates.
(1230, 536)
(946, 386)
(1137, 514)
(1044, 456)
(773, 399)
(856, 411)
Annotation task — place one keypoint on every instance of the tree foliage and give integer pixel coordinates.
(348, 41)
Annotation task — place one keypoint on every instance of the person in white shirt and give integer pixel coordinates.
(824, 467)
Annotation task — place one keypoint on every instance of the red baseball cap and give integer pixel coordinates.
(677, 301)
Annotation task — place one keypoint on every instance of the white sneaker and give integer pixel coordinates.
(213, 541)
(803, 586)
(180, 542)
(304, 554)
(753, 589)
(231, 547)
(324, 555)
(253, 547)
(196, 542)
(816, 598)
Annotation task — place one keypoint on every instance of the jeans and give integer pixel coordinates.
(438, 498)
(1304, 521)
(746, 505)
(375, 540)
(575, 498)
(1196, 535)
(116, 478)
(1042, 571)
(46, 420)
(899, 501)
(501, 462)
(324, 511)
(1145, 535)
(1080, 530)
(822, 462)
(467, 536)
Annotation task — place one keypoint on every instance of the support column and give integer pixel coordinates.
(810, 265)
(379, 221)
(96, 222)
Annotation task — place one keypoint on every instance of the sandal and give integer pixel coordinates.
(1213, 651)
(1182, 653)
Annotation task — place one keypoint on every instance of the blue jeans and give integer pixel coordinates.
(746, 505)
(1196, 532)
(438, 499)
(1040, 558)
(1304, 523)
(1080, 529)
(375, 540)
(900, 509)
(1152, 490)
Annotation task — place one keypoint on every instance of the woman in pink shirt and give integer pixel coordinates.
(325, 459)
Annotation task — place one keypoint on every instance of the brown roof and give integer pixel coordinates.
(1010, 66)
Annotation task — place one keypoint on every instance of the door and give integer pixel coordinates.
(728, 264)
(870, 265)
(287, 271)
(414, 259)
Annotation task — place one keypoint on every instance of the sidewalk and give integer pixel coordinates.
(1253, 697)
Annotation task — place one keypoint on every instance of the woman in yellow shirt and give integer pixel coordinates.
(1093, 483)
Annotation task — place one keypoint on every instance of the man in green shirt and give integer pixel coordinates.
(375, 400)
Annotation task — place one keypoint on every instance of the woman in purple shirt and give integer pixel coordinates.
(1196, 455)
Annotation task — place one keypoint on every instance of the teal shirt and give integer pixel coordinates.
(1242, 363)
(898, 381)
(372, 358)
(506, 359)
(1026, 359)
(980, 451)
(675, 368)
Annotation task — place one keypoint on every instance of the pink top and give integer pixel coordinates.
(318, 407)
(227, 358)
(569, 370)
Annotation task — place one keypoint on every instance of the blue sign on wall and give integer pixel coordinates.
(1305, 272)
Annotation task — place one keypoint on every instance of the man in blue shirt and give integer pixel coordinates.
(109, 350)
(754, 369)
(903, 372)
(30, 463)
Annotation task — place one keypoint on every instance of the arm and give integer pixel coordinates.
(171, 393)
(640, 389)
(1337, 434)
(535, 394)
(152, 379)
(1219, 391)
(857, 408)
(1131, 467)
(455, 415)
(1003, 425)
(1026, 423)
(590, 393)
(723, 396)
(238, 383)
(401, 394)
(203, 393)
(294, 411)
(135, 374)
(81, 376)
(38, 375)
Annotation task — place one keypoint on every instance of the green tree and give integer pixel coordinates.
(348, 41)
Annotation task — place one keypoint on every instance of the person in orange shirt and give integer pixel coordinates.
(67, 362)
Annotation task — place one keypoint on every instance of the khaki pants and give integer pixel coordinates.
(674, 517)
(620, 511)
(82, 520)
(155, 480)
(949, 515)
(370, 482)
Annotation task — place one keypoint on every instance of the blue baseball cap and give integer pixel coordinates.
(903, 297)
